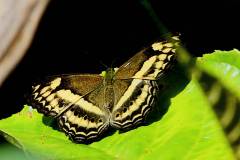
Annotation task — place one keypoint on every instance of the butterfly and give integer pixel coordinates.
(87, 105)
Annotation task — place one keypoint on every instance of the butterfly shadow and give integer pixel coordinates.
(51, 122)
(170, 85)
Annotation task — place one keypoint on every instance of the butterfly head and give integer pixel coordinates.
(109, 73)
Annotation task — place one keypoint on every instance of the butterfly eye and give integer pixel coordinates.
(124, 110)
(100, 120)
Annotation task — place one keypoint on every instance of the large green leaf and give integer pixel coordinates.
(182, 127)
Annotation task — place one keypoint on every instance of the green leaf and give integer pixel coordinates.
(182, 127)
(225, 67)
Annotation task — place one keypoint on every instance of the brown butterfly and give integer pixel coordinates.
(86, 105)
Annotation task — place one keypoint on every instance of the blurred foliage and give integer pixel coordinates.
(9, 152)
(220, 78)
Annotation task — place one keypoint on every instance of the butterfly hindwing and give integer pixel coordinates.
(88, 118)
(83, 125)
(135, 103)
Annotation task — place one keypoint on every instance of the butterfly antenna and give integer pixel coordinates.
(148, 6)
(113, 62)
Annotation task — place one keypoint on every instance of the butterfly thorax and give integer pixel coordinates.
(108, 88)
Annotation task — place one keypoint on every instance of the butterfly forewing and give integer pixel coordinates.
(76, 101)
(151, 62)
(55, 94)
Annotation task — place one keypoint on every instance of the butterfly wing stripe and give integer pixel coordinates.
(137, 103)
(128, 93)
(80, 101)
(73, 127)
(53, 85)
(89, 107)
(58, 101)
(135, 117)
(145, 68)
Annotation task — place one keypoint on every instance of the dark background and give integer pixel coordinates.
(84, 36)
